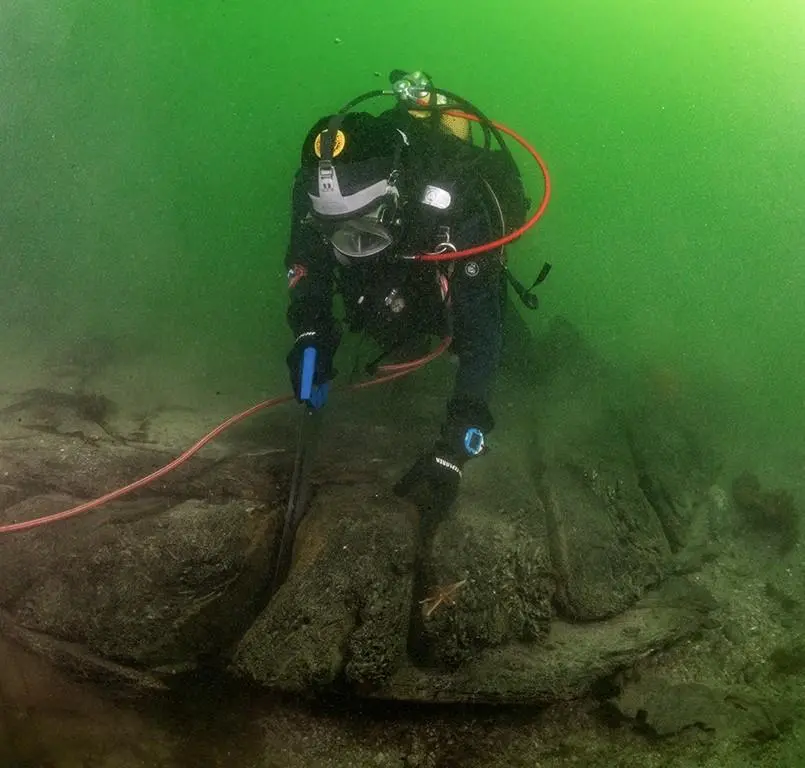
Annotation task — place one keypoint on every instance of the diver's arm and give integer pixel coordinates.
(477, 333)
(476, 303)
(310, 296)
(434, 479)
(310, 266)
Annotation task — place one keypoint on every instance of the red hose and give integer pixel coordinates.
(414, 364)
(395, 373)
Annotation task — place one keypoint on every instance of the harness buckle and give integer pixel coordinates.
(446, 245)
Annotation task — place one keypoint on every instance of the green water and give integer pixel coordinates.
(147, 149)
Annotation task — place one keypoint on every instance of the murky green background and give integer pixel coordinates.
(146, 150)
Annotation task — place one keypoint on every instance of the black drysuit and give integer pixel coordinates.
(471, 311)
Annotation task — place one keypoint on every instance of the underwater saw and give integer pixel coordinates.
(313, 398)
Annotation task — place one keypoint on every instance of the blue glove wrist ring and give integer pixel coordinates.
(473, 441)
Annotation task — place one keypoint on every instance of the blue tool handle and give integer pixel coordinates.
(308, 372)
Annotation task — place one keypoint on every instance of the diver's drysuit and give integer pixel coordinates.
(393, 298)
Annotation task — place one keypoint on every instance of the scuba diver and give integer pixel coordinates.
(374, 198)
